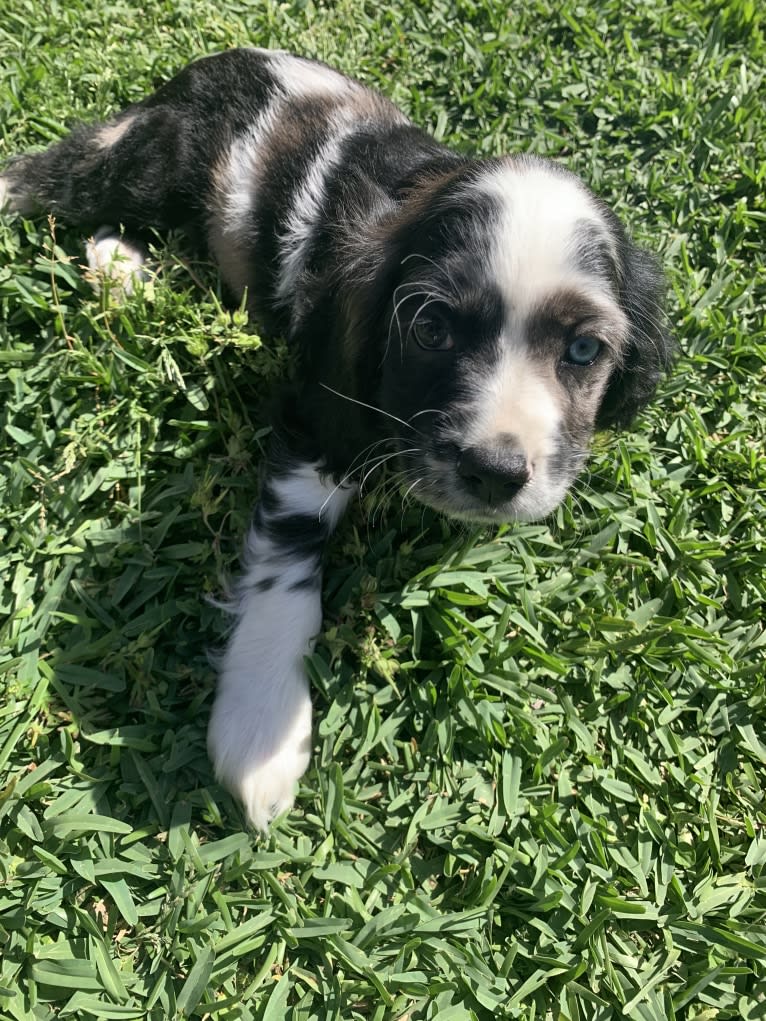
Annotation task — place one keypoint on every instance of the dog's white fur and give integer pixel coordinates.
(259, 736)
(115, 262)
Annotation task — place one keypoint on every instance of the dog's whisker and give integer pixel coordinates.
(346, 479)
(411, 488)
(415, 293)
(428, 411)
(380, 461)
(439, 269)
(364, 404)
(392, 485)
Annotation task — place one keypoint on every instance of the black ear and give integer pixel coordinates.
(650, 347)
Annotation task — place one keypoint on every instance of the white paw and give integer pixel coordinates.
(113, 260)
(259, 740)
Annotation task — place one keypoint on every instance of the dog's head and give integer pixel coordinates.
(519, 318)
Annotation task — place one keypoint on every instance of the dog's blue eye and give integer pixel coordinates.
(583, 350)
(432, 334)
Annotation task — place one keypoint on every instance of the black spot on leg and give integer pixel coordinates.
(299, 535)
(267, 505)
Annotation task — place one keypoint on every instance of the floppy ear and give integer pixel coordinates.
(650, 347)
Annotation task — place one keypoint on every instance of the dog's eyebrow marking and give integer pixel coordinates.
(559, 312)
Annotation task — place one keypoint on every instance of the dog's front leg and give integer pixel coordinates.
(260, 729)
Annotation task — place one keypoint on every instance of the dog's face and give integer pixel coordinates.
(519, 319)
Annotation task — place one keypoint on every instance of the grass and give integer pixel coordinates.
(538, 780)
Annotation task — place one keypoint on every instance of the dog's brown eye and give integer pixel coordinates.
(583, 350)
(432, 334)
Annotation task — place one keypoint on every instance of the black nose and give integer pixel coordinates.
(494, 475)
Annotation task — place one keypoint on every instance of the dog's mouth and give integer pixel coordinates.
(487, 486)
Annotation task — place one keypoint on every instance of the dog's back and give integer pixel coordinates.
(251, 149)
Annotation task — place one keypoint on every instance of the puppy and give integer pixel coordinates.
(472, 321)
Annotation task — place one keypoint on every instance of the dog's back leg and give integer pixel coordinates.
(159, 164)
(153, 165)
(120, 180)
(128, 171)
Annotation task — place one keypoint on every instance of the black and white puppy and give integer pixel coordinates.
(473, 320)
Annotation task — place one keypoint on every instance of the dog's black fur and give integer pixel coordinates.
(471, 321)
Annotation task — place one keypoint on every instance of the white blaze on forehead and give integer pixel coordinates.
(541, 212)
(542, 218)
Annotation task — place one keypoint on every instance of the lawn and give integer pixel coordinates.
(538, 785)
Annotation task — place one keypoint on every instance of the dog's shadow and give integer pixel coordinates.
(154, 412)
(152, 476)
